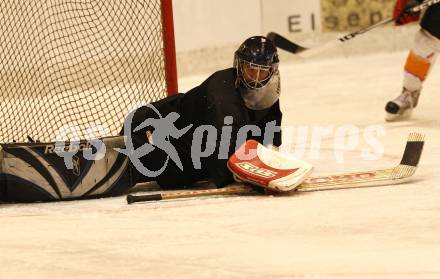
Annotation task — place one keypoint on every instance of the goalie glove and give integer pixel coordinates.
(402, 14)
(261, 166)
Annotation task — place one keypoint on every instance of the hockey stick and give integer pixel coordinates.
(399, 174)
(283, 43)
(294, 48)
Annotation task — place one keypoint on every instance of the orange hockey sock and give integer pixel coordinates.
(418, 65)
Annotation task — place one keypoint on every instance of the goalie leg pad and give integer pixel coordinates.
(32, 172)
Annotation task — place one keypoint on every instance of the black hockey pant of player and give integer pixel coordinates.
(172, 176)
(431, 20)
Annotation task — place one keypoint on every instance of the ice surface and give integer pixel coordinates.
(384, 232)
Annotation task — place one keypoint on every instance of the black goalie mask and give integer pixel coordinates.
(256, 61)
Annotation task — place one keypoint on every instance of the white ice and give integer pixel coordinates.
(383, 232)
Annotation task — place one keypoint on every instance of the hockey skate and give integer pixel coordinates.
(401, 107)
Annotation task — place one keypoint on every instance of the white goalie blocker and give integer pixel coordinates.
(268, 168)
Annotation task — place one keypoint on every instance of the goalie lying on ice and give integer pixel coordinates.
(175, 141)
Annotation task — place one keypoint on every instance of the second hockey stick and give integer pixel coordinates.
(292, 47)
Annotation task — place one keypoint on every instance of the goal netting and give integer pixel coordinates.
(79, 63)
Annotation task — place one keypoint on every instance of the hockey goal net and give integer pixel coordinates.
(81, 64)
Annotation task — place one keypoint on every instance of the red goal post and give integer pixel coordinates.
(169, 46)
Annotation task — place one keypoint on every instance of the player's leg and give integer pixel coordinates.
(418, 65)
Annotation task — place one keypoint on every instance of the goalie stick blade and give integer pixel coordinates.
(399, 174)
(413, 150)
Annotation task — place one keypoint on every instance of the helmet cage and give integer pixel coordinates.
(254, 75)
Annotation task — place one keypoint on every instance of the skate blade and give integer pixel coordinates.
(390, 117)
